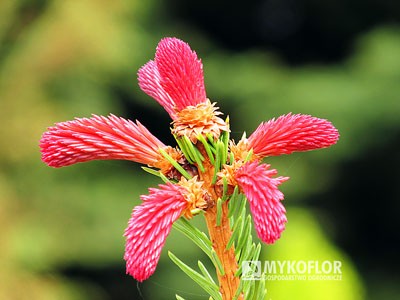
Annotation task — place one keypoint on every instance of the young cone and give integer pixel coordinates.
(99, 137)
(175, 78)
(291, 133)
(149, 226)
(261, 190)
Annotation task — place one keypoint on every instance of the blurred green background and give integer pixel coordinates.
(61, 229)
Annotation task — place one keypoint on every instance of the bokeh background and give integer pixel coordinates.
(61, 229)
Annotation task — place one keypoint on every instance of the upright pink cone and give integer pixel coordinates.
(175, 78)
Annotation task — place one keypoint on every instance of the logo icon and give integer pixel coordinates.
(251, 270)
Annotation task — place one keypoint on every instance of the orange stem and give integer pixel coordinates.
(220, 236)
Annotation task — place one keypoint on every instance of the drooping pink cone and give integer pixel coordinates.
(175, 78)
(149, 226)
(99, 137)
(291, 133)
(261, 190)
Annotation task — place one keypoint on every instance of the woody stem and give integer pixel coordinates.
(220, 236)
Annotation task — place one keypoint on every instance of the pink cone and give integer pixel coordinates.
(98, 137)
(265, 199)
(175, 78)
(149, 226)
(291, 133)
